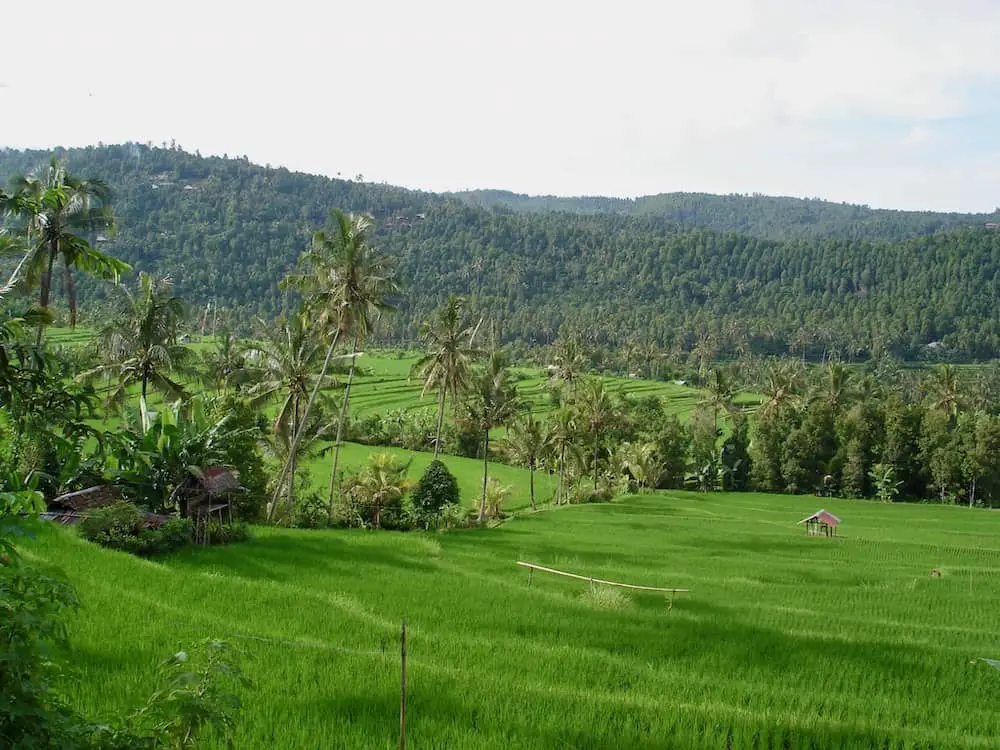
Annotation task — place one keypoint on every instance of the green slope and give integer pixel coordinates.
(784, 641)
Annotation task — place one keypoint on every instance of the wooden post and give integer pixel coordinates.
(402, 687)
(530, 573)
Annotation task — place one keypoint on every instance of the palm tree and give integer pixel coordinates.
(720, 393)
(447, 365)
(225, 365)
(526, 446)
(642, 462)
(141, 343)
(346, 283)
(283, 368)
(382, 482)
(570, 362)
(494, 401)
(779, 387)
(945, 391)
(560, 441)
(836, 389)
(597, 411)
(59, 212)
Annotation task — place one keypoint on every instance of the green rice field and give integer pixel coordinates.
(784, 641)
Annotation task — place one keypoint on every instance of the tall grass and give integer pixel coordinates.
(785, 641)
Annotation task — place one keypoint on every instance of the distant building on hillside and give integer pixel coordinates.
(821, 523)
(992, 225)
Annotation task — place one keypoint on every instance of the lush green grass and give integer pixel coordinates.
(784, 641)
(468, 472)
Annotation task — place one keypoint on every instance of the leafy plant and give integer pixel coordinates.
(437, 488)
(122, 526)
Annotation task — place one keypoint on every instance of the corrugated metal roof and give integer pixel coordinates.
(823, 516)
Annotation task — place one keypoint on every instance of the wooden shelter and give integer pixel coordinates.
(821, 523)
(73, 507)
(205, 498)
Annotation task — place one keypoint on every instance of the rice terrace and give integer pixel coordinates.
(293, 460)
(784, 641)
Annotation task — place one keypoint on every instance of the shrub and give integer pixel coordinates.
(121, 527)
(496, 496)
(312, 513)
(227, 533)
(436, 489)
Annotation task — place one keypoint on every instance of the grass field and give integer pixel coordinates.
(784, 641)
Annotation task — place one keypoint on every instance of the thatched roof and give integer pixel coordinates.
(93, 497)
(217, 480)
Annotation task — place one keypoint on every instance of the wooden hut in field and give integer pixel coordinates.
(821, 523)
(73, 507)
(207, 498)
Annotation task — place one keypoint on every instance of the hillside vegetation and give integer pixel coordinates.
(785, 641)
(858, 282)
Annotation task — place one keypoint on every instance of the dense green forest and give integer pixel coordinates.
(226, 231)
(771, 217)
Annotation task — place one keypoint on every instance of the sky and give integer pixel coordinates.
(894, 104)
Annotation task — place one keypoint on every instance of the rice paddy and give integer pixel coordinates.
(784, 641)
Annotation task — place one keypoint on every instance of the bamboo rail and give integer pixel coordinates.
(533, 567)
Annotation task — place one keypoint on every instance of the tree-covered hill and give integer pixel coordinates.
(772, 217)
(227, 230)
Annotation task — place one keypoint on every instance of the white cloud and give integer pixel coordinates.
(566, 97)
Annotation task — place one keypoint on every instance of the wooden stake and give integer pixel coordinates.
(530, 573)
(402, 688)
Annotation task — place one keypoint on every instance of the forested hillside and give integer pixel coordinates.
(765, 216)
(227, 230)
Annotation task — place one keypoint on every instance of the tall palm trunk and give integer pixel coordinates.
(297, 434)
(340, 424)
(440, 421)
(597, 446)
(70, 293)
(45, 288)
(291, 456)
(531, 482)
(562, 474)
(486, 458)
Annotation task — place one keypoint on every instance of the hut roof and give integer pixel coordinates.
(93, 497)
(218, 480)
(822, 516)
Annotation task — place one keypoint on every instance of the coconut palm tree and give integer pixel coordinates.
(493, 402)
(141, 344)
(720, 393)
(346, 284)
(836, 389)
(447, 366)
(225, 365)
(780, 387)
(526, 446)
(570, 363)
(381, 483)
(946, 391)
(597, 411)
(561, 442)
(59, 212)
(283, 366)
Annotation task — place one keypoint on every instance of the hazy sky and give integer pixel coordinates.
(895, 103)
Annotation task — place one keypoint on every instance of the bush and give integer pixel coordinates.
(312, 513)
(436, 489)
(226, 533)
(121, 527)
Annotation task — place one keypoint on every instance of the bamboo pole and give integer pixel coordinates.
(532, 566)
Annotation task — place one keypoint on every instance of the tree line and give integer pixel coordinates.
(917, 287)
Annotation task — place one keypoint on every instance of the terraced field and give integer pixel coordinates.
(784, 641)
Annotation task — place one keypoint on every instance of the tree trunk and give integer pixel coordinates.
(293, 446)
(597, 443)
(531, 481)
(486, 458)
(45, 288)
(70, 293)
(440, 421)
(340, 424)
(290, 499)
(562, 473)
(145, 383)
(972, 495)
